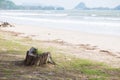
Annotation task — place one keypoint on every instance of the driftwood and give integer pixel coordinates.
(33, 58)
(6, 24)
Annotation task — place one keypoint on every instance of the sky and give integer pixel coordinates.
(69, 4)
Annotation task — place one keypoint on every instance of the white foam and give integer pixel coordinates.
(32, 14)
(85, 22)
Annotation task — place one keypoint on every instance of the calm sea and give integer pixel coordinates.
(91, 21)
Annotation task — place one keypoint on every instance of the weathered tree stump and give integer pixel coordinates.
(33, 58)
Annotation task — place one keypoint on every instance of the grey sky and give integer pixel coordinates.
(71, 3)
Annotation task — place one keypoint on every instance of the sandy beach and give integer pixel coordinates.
(108, 42)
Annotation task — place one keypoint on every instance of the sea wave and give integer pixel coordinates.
(85, 22)
(32, 14)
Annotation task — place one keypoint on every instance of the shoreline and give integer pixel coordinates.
(108, 42)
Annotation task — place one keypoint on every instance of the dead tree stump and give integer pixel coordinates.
(33, 58)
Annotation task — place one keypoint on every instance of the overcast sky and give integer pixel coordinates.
(69, 4)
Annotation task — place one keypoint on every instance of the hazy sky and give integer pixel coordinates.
(68, 4)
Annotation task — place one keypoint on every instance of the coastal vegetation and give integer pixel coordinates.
(9, 5)
(5, 4)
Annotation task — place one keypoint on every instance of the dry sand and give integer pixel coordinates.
(74, 37)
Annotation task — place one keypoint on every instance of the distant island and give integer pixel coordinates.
(9, 5)
(82, 6)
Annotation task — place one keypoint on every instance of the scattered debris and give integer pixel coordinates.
(87, 46)
(6, 24)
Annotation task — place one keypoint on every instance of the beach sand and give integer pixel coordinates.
(109, 42)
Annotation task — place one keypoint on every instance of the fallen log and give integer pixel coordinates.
(33, 58)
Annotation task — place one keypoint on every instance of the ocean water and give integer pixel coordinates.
(90, 21)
